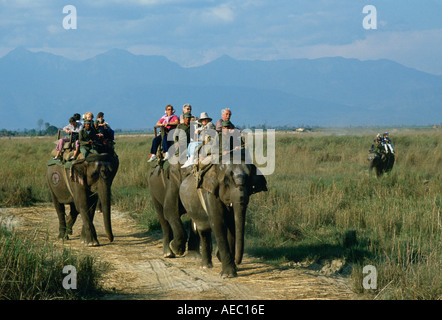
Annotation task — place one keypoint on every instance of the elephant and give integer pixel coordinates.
(164, 182)
(381, 162)
(217, 201)
(81, 185)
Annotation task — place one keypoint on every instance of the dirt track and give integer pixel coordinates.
(139, 271)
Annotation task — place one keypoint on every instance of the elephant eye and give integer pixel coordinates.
(95, 174)
(105, 172)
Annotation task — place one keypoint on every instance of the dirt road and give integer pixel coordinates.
(139, 271)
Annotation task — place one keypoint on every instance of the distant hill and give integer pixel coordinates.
(132, 90)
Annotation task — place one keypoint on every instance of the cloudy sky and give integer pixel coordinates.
(194, 32)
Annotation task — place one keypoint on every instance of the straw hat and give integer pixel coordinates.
(203, 116)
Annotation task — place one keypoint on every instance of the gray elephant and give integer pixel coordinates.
(81, 184)
(380, 162)
(216, 199)
(164, 182)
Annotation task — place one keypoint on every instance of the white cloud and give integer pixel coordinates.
(223, 13)
(193, 32)
(54, 29)
(416, 49)
(146, 2)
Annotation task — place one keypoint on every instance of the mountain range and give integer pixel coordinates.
(133, 90)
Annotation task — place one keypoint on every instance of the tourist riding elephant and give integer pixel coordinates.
(217, 200)
(164, 186)
(381, 162)
(81, 186)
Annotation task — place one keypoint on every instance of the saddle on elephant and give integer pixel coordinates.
(68, 149)
(66, 146)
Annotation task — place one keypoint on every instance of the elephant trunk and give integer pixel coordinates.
(239, 209)
(104, 194)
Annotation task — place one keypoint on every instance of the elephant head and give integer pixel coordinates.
(233, 184)
(96, 172)
(380, 162)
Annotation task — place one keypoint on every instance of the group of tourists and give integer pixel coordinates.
(87, 136)
(202, 126)
(382, 144)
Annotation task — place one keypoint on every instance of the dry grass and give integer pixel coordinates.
(320, 190)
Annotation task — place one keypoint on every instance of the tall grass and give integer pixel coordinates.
(22, 171)
(320, 192)
(31, 269)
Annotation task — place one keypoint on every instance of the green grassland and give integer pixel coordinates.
(322, 202)
(33, 270)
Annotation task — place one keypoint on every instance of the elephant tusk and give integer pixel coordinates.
(200, 196)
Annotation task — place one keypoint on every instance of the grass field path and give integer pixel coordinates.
(139, 271)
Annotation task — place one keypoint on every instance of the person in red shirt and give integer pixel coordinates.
(169, 121)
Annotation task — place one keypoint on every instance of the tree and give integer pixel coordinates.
(51, 130)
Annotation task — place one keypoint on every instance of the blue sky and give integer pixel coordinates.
(194, 32)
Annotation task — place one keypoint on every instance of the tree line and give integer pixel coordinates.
(44, 129)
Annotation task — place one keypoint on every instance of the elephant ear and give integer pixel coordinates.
(258, 182)
(210, 182)
(78, 172)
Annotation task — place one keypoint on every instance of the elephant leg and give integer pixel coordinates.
(390, 163)
(206, 249)
(71, 218)
(219, 228)
(230, 224)
(371, 167)
(377, 166)
(92, 206)
(224, 254)
(88, 233)
(173, 209)
(178, 244)
(379, 171)
(166, 229)
(60, 209)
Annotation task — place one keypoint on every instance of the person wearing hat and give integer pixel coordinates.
(377, 144)
(185, 126)
(183, 132)
(229, 138)
(387, 143)
(206, 124)
(88, 136)
(187, 108)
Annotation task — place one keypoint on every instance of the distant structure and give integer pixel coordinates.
(302, 129)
